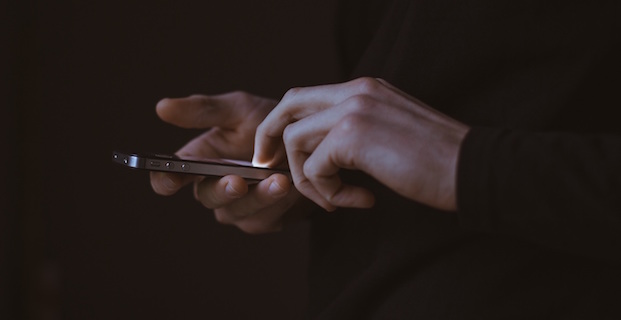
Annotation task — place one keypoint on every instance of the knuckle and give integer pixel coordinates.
(289, 135)
(291, 93)
(351, 131)
(242, 96)
(353, 123)
(360, 103)
(310, 172)
(367, 84)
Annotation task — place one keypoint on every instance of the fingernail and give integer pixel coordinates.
(169, 183)
(276, 190)
(232, 192)
(257, 163)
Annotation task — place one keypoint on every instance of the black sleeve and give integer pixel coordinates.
(559, 190)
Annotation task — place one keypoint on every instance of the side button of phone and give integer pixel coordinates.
(185, 167)
(170, 165)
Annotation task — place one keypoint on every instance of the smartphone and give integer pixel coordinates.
(204, 167)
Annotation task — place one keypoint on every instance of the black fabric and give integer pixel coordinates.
(538, 232)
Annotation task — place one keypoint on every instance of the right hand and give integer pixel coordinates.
(368, 125)
(230, 120)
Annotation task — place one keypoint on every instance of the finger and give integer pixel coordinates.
(322, 174)
(269, 219)
(263, 195)
(298, 103)
(216, 193)
(308, 132)
(216, 143)
(321, 169)
(190, 112)
(202, 147)
(167, 184)
(302, 138)
(200, 111)
(297, 159)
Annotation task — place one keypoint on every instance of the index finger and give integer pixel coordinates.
(200, 111)
(299, 103)
(296, 104)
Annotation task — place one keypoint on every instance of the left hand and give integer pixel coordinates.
(368, 125)
(230, 121)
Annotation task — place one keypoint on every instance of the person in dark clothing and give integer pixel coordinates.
(473, 163)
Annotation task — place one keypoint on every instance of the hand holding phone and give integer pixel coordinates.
(230, 121)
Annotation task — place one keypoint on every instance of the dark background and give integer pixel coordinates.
(81, 238)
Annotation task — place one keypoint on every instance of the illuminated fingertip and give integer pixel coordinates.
(258, 163)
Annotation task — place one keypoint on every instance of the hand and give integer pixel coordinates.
(231, 120)
(368, 125)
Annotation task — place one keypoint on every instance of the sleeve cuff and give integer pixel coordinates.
(475, 179)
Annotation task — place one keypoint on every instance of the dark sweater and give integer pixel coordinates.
(538, 231)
